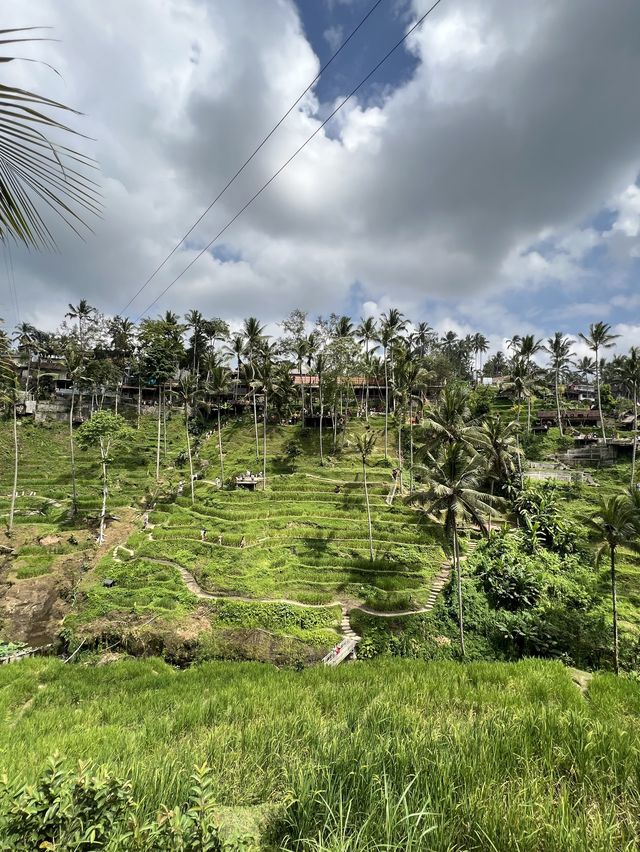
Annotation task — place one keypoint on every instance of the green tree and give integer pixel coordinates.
(452, 492)
(614, 526)
(365, 443)
(559, 348)
(366, 335)
(497, 441)
(392, 324)
(253, 334)
(218, 386)
(599, 337)
(104, 430)
(74, 365)
(629, 374)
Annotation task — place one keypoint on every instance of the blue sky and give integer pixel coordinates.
(484, 180)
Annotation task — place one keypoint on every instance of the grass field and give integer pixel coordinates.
(384, 755)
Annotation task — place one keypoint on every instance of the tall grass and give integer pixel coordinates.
(390, 755)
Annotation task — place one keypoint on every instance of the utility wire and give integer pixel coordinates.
(250, 158)
(294, 155)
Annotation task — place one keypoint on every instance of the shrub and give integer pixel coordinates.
(90, 809)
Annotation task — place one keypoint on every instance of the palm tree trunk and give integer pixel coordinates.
(604, 434)
(159, 434)
(400, 458)
(614, 607)
(321, 416)
(490, 502)
(164, 419)
(635, 434)
(220, 446)
(186, 427)
(366, 378)
(74, 495)
(105, 489)
(458, 570)
(528, 415)
(255, 423)
(411, 446)
(264, 443)
(139, 401)
(366, 499)
(14, 490)
(301, 393)
(386, 403)
(558, 402)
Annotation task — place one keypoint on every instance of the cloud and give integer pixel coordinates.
(471, 181)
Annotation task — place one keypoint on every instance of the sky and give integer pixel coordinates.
(484, 179)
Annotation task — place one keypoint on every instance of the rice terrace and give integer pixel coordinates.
(320, 510)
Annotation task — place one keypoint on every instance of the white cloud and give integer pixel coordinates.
(517, 125)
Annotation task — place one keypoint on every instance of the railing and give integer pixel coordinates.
(343, 650)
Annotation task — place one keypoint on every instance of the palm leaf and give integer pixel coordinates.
(37, 173)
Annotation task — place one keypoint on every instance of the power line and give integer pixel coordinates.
(293, 156)
(250, 158)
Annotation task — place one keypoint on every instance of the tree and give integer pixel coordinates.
(392, 324)
(599, 337)
(559, 347)
(74, 365)
(253, 340)
(452, 492)
(84, 314)
(26, 339)
(321, 365)
(236, 349)
(196, 322)
(614, 525)
(218, 385)
(188, 390)
(366, 335)
(480, 346)
(9, 389)
(586, 367)
(497, 441)
(630, 377)
(104, 430)
(449, 420)
(524, 382)
(364, 444)
(39, 174)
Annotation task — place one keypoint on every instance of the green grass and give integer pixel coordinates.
(390, 754)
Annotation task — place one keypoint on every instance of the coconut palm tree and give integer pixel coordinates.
(38, 173)
(449, 420)
(321, 366)
(366, 335)
(421, 338)
(84, 314)
(217, 386)
(524, 383)
(364, 444)
(74, 365)
(26, 336)
(599, 337)
(559, 347)
(195, 321)
(630, 376)
(497, 442)
(253, 334)
(236, 349)
(392, 324)
(586, 367)
(452, 492)
(614, 526)
(188, 390)
(480, 346)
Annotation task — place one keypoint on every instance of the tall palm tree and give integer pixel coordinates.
(524, 383)
(599, 337)
(497, 441)
(74, 366)
(392, 324)
(364, 444)
(366, 335)
(321, 366)
(452, 491)
(630, 377)
(195, 321)
(26, 339)
(218, 385)
(253, 334)
(84, 314)
(614, 525)
(449, 420)
(421, 338)
(267, 380)
(236, 349)
(586, 367)
(188, 390)
(559, 347)
(480, 346)
(300, 349)
(38, 173)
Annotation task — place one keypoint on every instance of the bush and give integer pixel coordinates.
(90, 809)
